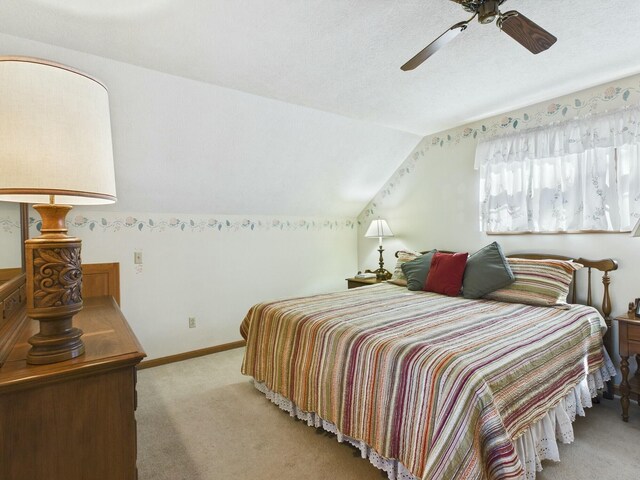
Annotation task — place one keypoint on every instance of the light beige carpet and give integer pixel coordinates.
(202, 420)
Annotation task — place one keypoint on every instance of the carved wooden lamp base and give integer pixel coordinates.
(54, 282)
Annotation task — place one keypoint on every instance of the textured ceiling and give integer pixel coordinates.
(343, 56)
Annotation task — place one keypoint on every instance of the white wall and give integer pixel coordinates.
(432, 199)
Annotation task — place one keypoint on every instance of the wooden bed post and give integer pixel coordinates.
(589, 300)
(604, 266)
(608, 338)
(606, 300)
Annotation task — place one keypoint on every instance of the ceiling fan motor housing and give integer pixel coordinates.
(488, 11)
(473, 6)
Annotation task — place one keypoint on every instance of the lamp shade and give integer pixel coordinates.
(378, 229)
(636, 230)
(55, 135)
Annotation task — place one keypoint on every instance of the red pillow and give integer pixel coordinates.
(446, 273)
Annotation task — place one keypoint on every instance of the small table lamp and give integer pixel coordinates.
(55, 149)
(379, 228)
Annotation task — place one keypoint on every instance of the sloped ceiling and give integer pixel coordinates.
(301, 105)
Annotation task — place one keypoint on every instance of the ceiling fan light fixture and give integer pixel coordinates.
(488, 11)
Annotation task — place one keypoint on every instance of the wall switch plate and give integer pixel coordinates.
(137, 258)
(192, 322)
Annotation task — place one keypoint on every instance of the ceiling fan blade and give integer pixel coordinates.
(526, 32)
(436, 45)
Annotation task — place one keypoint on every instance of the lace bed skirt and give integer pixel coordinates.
(540, 442)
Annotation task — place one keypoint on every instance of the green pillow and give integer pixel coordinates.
(487, 270)
(417, 270)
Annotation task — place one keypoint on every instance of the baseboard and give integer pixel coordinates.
(192, 354)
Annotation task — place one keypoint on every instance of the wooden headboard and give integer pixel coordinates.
(101, 279)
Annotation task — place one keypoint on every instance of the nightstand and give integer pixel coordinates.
(354, 282)
(629, 335)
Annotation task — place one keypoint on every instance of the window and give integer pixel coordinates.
(578, 176)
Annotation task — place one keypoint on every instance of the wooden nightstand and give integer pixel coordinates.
(354, 282)
(629, 334)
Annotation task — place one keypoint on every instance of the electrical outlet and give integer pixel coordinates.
(192, 322)
(137, 258)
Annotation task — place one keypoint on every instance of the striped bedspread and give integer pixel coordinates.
(444, 385)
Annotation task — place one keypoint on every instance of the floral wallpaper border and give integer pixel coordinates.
(193, 224)
(614, 95)
(554, 112)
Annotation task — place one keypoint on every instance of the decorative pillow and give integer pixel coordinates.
(446, 272)
(404, 256)
(401, 283)
(538, 282)
(487, 270)
(416, 270)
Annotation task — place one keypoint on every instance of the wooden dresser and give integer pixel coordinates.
(73, 420)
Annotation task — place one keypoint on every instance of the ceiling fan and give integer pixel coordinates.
(527, 33)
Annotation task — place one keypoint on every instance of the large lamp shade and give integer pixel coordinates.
(636, 230)
(55, 135)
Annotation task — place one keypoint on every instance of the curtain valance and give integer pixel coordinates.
(609, 130)
(581, 175)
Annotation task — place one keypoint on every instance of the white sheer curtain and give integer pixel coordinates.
(580, 175)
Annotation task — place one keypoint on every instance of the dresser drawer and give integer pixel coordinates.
(633, 333)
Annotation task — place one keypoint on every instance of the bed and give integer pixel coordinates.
(430, 386)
